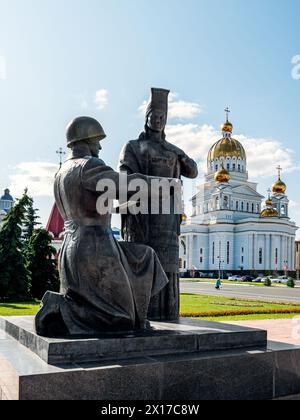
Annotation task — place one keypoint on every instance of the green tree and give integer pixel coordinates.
(41, 264)
(268, 282)
(14, 279)
(30, 222)
(291, 283)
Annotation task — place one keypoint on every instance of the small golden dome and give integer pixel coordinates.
(269, 202)
(222, 176)
(184, 218)
(227, 127)
(269, 212)
(279, 187)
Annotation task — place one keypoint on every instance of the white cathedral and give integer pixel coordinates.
(230, 229)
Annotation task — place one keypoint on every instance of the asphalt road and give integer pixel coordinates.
(244, 291)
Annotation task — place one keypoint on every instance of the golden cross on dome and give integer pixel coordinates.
(61, 153)
(227, 110)
(279, 168)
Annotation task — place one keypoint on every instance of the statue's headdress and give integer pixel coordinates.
(158, 100)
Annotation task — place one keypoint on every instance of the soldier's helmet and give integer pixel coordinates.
(84, 128)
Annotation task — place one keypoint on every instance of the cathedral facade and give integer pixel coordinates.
(231, 229)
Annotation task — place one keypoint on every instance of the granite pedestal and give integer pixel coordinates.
(189, 360)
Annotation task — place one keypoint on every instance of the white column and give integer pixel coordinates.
(266, 252)
(255, 251)
(271, 252)
(189, 251)
(288, 252)
(250, 252)
(281, 257)
(292, 252)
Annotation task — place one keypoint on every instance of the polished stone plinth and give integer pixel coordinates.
(202, 371)
(185, 336)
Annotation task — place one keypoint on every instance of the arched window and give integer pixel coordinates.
(228, 253)
(252, 208)
(226, 203)
(242, 206)
(201, 255)
(234, 167)
(239, 168)
(283, 210)
(276, 257)
(248, 208)
(228, 166)
(260, 256)
(213, 253)
(184, 247)
(217, 203)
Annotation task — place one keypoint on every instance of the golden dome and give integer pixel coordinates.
(184, 218)
(269, 202)
(222, 176)
(227, 127)
(269, 212)
(279, 187)
(227, 147)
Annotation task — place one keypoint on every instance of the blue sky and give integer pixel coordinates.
(56, 55)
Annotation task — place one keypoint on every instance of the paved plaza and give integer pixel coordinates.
(279, 330)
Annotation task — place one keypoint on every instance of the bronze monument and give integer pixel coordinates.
(106, 286)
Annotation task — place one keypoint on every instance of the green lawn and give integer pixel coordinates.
(225, 308)
(212, 308)
(232, 283)
(19, 309)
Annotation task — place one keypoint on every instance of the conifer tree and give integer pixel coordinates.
(30, 222)
(14, 279)
(41, 264)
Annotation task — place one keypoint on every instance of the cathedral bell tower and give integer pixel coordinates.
(279, 197)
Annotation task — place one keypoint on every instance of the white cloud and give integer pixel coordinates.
(3, 68)
(178, 109)
(296, 68)
(184, 110)
(101, 99)
(38, 177)
(194, 139)
(263, 155)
